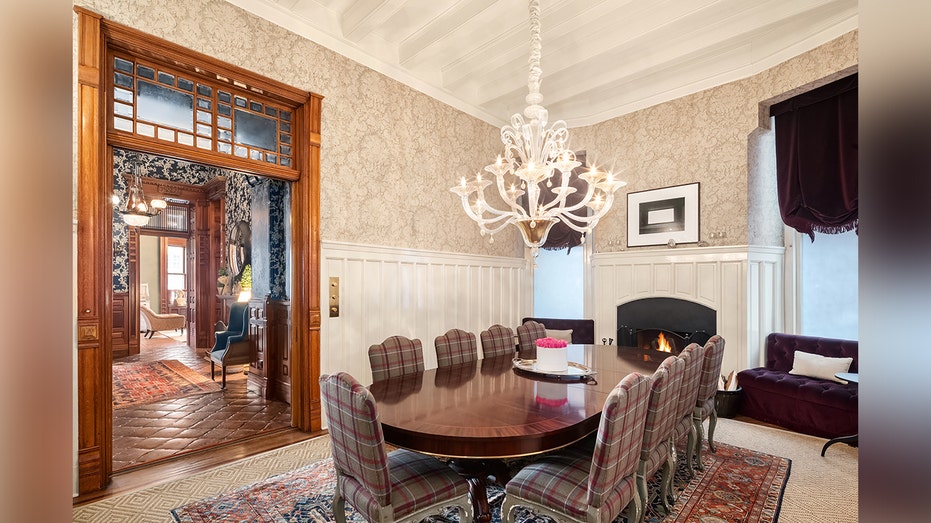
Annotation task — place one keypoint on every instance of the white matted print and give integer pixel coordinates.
(657, 216)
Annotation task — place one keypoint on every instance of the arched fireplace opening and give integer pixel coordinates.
(648, 322)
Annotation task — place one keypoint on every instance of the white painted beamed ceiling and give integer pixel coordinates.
(601, 58)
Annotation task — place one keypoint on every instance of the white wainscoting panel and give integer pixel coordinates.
(743, 284)
(418, 294)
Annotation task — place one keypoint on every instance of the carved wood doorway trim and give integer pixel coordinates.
(97, 39)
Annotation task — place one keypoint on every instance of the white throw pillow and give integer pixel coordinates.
(565, 335)
(818, 366)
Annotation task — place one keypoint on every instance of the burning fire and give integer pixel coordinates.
(662, 345)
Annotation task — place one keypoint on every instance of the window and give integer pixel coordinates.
(156, 102)
(828, 291)
(175, 271)
(558, 289)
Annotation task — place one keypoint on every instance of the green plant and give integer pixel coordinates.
(246, 281)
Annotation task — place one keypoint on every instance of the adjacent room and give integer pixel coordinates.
(549, 260)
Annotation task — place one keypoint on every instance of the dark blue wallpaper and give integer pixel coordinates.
(239, 193)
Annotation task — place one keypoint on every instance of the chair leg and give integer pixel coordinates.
(669, 480)
(339, 507)
(711, 424)
(690, 452)
(642, 492)
(699, 438)
(223, 386)
(637, 505)
(211, 371)
(507, 510)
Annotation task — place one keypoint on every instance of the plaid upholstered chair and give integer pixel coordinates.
(498, 340)
(397, 486)
(395, 356)
(707, 388)
(454, 347)
(655, 452)
(527, 336)
(684, 428)
(594, 485)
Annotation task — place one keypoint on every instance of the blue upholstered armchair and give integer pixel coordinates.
(232, 345)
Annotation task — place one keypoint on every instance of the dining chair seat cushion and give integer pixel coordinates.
(560, 481)
(657, 456)
(418, 481)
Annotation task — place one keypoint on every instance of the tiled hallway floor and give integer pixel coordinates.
(145, 433)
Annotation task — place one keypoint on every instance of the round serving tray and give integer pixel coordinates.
(575, 371)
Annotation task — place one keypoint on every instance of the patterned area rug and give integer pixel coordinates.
(736, 485)
(148, 382)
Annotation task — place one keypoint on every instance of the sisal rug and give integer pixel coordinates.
(736, 485)
(148, 382)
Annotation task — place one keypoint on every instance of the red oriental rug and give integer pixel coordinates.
(737, 485)
(148, 382)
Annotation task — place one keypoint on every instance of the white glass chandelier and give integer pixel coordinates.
(137, 211)
(533, 154)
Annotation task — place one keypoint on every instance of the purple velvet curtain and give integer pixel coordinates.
(816, 158)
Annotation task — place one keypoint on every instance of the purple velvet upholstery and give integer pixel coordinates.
(812, 406)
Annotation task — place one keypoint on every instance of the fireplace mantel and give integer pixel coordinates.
(744, 284)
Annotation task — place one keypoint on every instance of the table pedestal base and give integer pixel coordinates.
(477, 473)
(850, 440)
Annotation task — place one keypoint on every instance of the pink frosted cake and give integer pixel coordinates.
(551, 355)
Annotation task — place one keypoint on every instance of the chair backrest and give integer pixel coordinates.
(454, 347)
(710, 370)
(693, 355)
(619, 437)
(395, 356)
(664, 394)
(527, 336)
(497, 340)
(356, 439)
(239, 313)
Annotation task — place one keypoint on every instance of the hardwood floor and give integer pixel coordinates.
(153, 432)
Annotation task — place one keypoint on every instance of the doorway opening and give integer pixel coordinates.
(166, 401)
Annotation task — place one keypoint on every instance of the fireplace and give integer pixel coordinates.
(680, 322)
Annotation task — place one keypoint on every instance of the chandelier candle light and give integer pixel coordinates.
(533, 154)
(137, 211)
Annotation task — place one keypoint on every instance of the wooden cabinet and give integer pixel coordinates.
(270, 340)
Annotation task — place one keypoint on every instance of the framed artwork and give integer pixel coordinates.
(657, 216)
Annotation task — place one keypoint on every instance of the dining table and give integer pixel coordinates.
(481, 414)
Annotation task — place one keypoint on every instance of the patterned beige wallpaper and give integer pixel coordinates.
(389, 153)
(704, 137)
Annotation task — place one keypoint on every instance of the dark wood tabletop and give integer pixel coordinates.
(488, 410)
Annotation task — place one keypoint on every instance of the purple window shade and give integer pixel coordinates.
(816, 158)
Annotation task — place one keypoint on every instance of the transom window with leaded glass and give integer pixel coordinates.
(156, 102)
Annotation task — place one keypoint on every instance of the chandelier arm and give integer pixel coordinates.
(511, 202)
(584, 230)
(585, 201)
(594, 217)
